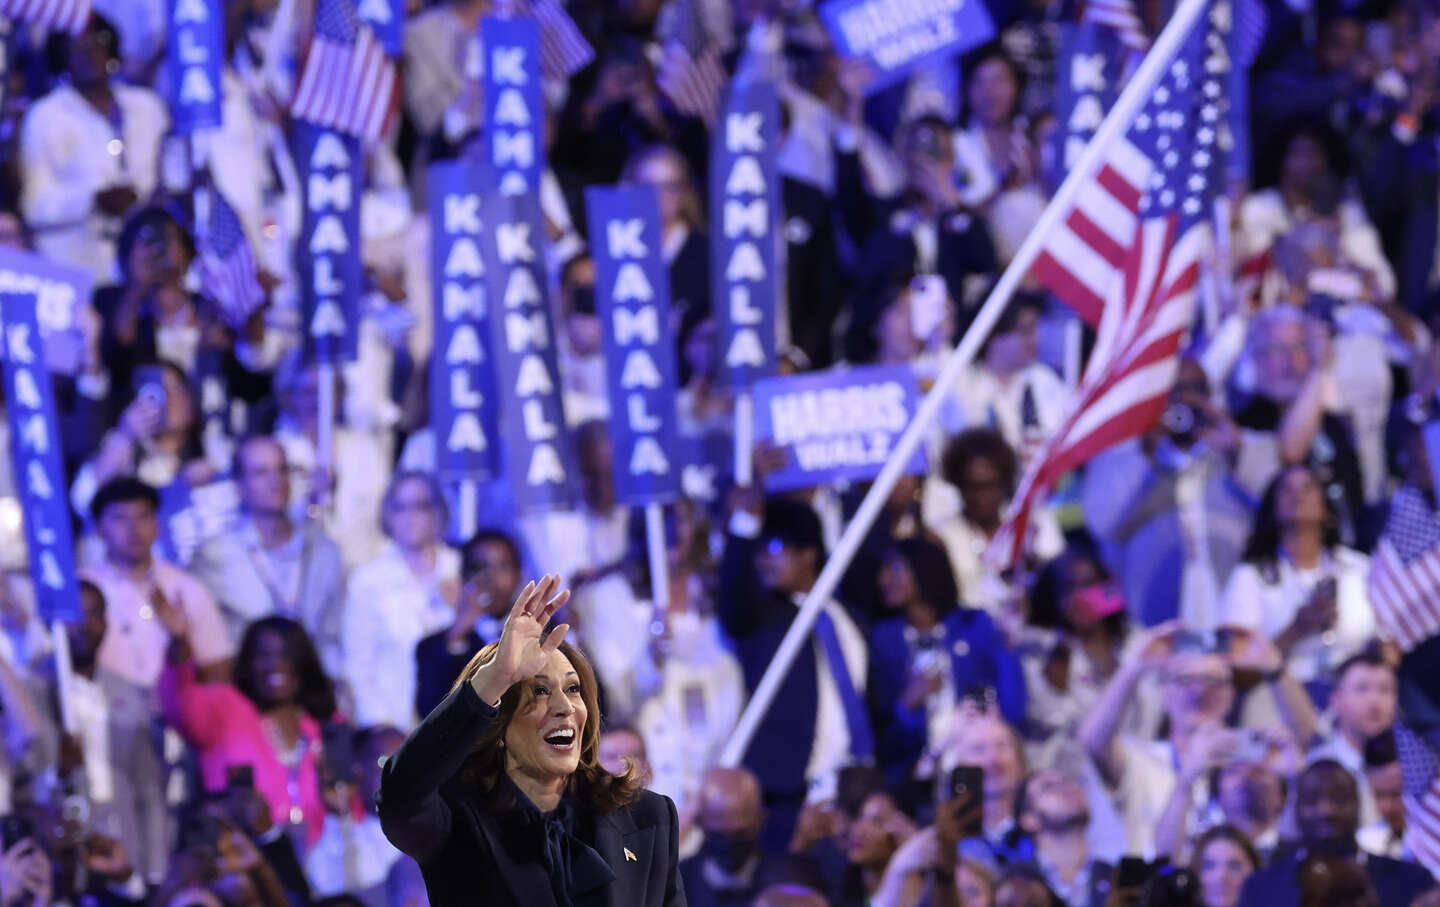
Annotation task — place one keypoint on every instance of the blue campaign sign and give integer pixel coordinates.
(744, 211)
(514, 109)
(332, 174)
(632, 298)
(194, 54)
(35, 449)
(386, 19)
(463, 401)
(1089, 65)
(60, 291)
(538, 451)
(898, 36)
(838, 424)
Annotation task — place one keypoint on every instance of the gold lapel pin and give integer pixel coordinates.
(631, 856)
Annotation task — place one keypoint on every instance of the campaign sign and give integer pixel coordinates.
(197, 29)
(744, 212)
(463, 401)
(538, 452)
(632, 298)
(332, 174)
(514, 112)
(897, 37)
(836, 424)
(35, 449)
(1090, 62)
(386, 19)
(60, 290)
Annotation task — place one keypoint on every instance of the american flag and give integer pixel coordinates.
(1145, 219)
(563, 49)
(227, 266)
(348, 83)
(692, 72)
(1119, 15)
(1405, 571)
(62, 15)
(1421, 772)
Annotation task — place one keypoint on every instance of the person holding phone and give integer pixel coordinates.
(500, 789)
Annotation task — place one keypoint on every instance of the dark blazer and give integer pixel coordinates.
(461, 840)
(813, 286)
(1396, 882)
(978, 658)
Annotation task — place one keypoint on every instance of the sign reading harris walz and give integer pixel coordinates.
(898, 36)
(840, 424)
(35, 448)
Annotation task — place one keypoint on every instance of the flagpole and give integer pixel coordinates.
(1135, 95)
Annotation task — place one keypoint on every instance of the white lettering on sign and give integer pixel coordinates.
(746, 216)
(869, 26)
(462, 311)
(512, 104)
(841, 411)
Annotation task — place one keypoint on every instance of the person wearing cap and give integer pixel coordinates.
(817, 722)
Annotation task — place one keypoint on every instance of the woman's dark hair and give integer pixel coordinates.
(317, 692)
(1009, 320)
(1055, 583)
(1224, 833)
(991, 52)
(591, 784)
(57, 43)
(980, 443)
(194, 445)
(934, 577)
(151, 216)
(1263, 548)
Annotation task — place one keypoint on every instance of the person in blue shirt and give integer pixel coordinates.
(930, 655)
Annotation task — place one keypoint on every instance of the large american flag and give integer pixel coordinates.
(348, 83)
(61, 15)
(1405, 571)
(692, 73)
(1137, 238)
(227, 265)
(563, 49)
(1421, 772)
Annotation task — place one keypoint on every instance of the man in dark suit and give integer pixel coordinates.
(490, 566)
(817, 722)
(1327, 809)
(731, 868)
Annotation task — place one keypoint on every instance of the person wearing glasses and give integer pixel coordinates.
(397, 599)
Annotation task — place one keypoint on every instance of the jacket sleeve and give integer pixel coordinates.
(739, 600)
(1005, 665)
(674, 887)
(413, 815)
(197, 710)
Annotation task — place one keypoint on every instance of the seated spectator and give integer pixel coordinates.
(1298, 584)
(873, 836)
(1327, 810)
(929, 656)
(1053, 811)
(1363, 706)
(267, 563)
(1224, 859)
(88, 150)
(352, 853)
(138, 588)
(398, 599)
(773, 555)
(490, 568)
(731, 867)
(266, 726)
(1167, 510)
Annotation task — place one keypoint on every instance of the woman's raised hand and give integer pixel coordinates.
(524, 646)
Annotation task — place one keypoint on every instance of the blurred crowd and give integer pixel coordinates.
(1182, 695)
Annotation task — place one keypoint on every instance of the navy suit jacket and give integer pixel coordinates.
(1396, 882)
(978, 658)
(466, 846)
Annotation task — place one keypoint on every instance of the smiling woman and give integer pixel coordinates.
(500, 795)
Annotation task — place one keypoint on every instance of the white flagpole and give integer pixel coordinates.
(1127, 107)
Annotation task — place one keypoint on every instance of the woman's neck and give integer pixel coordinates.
(421, 561)
(921, 616)
(286, 719)
(168, 441)
(679, 589)
(100, 96)
(545, 793)
(1303, 546)
(988, 525)
(999, 809)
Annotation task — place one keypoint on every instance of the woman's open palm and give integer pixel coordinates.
(524, 647)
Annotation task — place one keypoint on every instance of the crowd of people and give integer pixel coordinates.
(1183, 694)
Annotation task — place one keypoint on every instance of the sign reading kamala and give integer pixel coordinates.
(35, 447)
(198, 28)
(744, 209)
(513, 144)
(835, 424)
(1090, 64)
(386, 19)
(538, 452)
(633, 300)
(60, 290)
(462, 378)
(898, 36)
(332, 174)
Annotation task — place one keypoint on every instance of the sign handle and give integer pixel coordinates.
(325, 430)
(468, 505)
(744, 439)
(63, 674)
(659, 557)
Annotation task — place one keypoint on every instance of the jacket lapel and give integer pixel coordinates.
(526, 878)
(630, 853)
